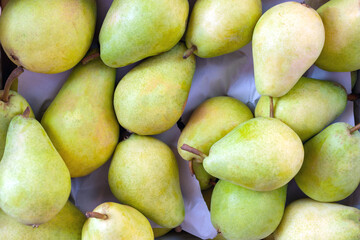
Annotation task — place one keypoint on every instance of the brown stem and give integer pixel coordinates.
(26, 113)
(178, 229)
(357, 127)
(271, 107)
(90, 57)
(96, 215)
(191, 168)
(14, 75)
(189, 52)
(192, 150)
(353, 97)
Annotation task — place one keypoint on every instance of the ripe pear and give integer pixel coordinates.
(81, 121)
(34, 180)
(144, 174)
(136, 29)
(287, 40)
(152, 96)
(327, 100)
(331, 164)
(114, 221)
(219, 27)
(47, 36)
(242, 214)
(67, 224)
(205, 179)
(308, 219)
(341, 51)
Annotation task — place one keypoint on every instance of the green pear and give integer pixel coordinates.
(144, 174)
(331, 164)
(287, 40)
(159, 232)
(34, 180)
(114, 221)
(81, 121)
(205, 179)
(67, 224)
(341, 51)
(308, 219)
(136, 29)
(47, 36)
(152, 96)
(327, 100)
(242, 214)
(219, 27)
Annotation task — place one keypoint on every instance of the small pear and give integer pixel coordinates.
(152, 96)
(327, 100)
(287, 40)
(34, 180)
(205, 179)
(308, 219)
(331, 164)
(144, 174)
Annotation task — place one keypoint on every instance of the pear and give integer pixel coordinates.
(67, 224)
(136, 29)
(327, 100)
(47, 36)
(159, 232)
(152, 96)
(3, 3)
(34, 180)
(144, 174)
(308, 219)
(341, 51)
(216, 28)
(287, 40)
(115, 221)
(205, 179)
(331, 164)
(242, 214)
(81, 121)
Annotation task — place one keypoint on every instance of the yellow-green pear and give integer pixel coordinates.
(67, 224)
(331, 164)
(205, 179)
(242, 214)
(152, 96)
(341, 51)
(114, 221)
(219, 27)
(34, 180)
(308, 107)
(144, 174)
(81, 121)
(47, 36)
(308, 219)
(287, 40)
(136, 29)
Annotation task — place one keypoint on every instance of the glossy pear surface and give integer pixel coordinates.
(47, 36)
(287, 40)
(136, 29)
(81, 121)
(220, 27)
(152, 96)
(144, 174)
(308, 107)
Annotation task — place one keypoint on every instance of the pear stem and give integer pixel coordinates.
(271, 107)
(96, 215)
(213, 183)
(357, 127)
(192, 150)
(178, 229)
(189, 52)
(26, 113)
(353, 97)
(14, 75)
(90, 57)
(191, 168)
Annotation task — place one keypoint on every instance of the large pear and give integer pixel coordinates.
(287, 40)
(81, 121)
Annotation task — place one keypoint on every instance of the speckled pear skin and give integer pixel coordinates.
(151, 98)
(136, 29)
(287, 40)
(81, 121)
(261, 154)
(67, 224)
(308, 107)
(35, 183)
(331, 165)
(144, 174)
(123, 223)
(52, 42)
(242, 214)
(215, 33)
(308, 219)
(341, 51)
(15, 106)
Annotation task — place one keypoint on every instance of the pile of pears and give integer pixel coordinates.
(243, 159)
